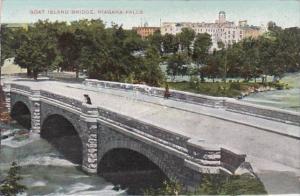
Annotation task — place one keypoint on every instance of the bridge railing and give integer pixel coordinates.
(158, 92)
(75, 104)
(148, 130)
(289, 117)
(229, 104)
(20, 87)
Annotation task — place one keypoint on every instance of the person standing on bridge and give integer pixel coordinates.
(87, 99)
(167, 92)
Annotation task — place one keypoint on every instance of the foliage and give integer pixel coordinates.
(221, 89)
(10, 186)
(122, 55)
(38, 51)
(214, 184)
(186, 37)
(150, 70)
(230, 185)
(170, 44)
(171, 187)
(10, 42)
(177, 64)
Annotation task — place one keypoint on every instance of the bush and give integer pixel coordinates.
(214, 184)
(172, 187)
(230, 185)
(10, 185)
(194, 82)
(235, 85)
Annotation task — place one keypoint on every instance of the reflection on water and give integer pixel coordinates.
(286, 99)
(46, 171)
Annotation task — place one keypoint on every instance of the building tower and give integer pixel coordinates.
(222, 17)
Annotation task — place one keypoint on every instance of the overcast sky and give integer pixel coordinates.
(285, 13)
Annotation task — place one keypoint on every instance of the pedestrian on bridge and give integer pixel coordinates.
(167, 92)
(87, 99)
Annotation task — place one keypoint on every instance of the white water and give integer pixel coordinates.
(46, 172)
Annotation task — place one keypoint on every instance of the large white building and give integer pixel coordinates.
(221, 30)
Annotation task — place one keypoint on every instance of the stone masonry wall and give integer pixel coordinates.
(173, 166)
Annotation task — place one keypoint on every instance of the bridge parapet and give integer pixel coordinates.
(230, 104)
(231, 159)
(73, 103)
(276, 114)
(158, 92)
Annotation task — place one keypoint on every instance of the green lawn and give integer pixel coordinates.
(220, 89)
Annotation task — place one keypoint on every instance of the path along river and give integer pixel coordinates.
(47, 172)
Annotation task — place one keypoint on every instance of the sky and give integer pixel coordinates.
(285, 13)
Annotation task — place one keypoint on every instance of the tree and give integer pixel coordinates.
(235, 56)
(70, 43)
(10, 186)
(186, 38)
(212, 70)
(11, 40)
(177, 64)
(38, 51)
(156, 41)
(246, 54)
(201, 51)
(170, 44)
(150, 70)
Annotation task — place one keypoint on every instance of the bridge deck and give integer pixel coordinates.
(269, 153)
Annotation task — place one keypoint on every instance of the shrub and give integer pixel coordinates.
(220, 184)
(235, 85)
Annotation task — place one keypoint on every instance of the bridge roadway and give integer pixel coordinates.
(274, 157)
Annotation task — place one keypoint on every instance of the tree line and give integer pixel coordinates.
(113, 53)
(274, 53)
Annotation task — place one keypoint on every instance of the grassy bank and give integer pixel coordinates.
(228, 89)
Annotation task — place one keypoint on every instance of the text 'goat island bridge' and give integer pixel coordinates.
(185, 136)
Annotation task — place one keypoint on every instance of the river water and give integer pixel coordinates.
(45, 171)
(285, 99)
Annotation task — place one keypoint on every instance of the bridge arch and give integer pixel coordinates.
(135, 148)
(144, 169)
(21, 113)
(63, 134)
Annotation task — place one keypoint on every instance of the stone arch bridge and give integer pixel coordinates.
(102, 129)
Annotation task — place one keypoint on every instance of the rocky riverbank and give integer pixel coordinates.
(253, 89)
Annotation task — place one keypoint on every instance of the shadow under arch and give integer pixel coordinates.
(21, 113)
(61, 133)
(131, 169)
